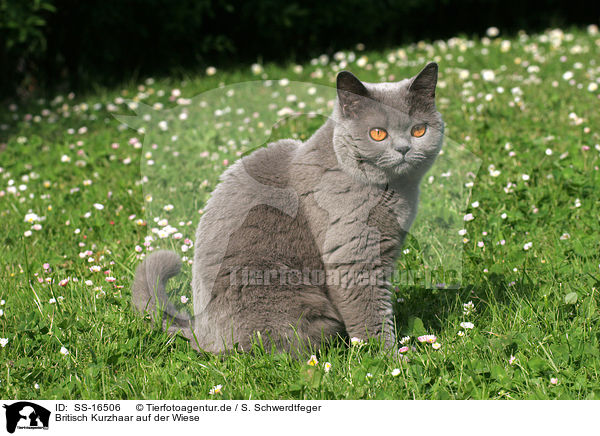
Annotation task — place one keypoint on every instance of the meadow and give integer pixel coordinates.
(91, 183)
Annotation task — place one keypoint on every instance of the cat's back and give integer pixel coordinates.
(267, 166)
(261, 178)
(252, 178)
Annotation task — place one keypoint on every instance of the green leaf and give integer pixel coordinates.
(497, 268)
(295, 388)
(560, 353)
(571, 298)
(416, 327)
(316, 379)
(498, 372)
(481, 368)
(442, 395)
(591, 350)
(311, 376)
(537, 364)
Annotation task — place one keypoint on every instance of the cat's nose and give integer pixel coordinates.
(403, 148)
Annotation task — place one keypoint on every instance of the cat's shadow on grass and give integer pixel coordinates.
(435, 307)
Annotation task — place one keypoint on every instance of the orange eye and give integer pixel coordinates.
(378, 134)
(418, 131)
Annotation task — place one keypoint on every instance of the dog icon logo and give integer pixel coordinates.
(26, 415)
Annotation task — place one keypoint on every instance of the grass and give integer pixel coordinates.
(526, 110)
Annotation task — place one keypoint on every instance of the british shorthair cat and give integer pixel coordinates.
(297, 240)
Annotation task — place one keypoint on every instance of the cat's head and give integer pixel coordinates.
(387, 132)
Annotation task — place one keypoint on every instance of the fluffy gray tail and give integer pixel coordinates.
(149, 294)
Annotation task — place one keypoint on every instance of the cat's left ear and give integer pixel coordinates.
(423, 84)
(351, 93)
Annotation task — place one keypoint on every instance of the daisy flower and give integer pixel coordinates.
(215, 390)
(313, 360)
(430, 339)
(356, 341)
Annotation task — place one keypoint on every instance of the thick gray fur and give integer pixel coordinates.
(339, 202)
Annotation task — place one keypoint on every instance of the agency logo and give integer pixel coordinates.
(26, 415)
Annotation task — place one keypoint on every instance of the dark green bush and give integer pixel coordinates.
(22, 36)
(22, 24)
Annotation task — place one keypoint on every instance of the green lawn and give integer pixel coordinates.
(74, 198)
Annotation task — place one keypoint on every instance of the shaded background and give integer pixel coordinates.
(49, 45)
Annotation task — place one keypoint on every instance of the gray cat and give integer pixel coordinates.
(298, 240)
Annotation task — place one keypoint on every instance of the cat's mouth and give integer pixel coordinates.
(391, 161)
(386, 166)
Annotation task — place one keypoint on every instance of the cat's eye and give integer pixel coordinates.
(418, 130)
(378, 134)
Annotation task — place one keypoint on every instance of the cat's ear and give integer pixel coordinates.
(423, 84)
(351, 93)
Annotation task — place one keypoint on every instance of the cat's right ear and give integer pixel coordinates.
(351, 93)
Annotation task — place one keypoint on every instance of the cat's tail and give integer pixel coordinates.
(148, 293)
